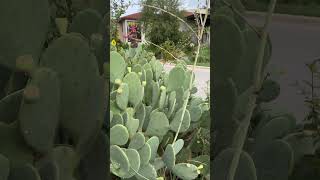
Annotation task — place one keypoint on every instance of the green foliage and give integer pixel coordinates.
(161, 26)
(53, 101)
(146, 107)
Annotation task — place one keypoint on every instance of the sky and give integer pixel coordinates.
(186, 4)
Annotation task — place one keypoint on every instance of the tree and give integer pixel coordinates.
(158, 25)
(118, 8)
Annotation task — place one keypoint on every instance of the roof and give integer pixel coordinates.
(134, 16)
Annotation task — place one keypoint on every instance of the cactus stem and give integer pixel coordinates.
(252, 102)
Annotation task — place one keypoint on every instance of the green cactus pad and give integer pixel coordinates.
(135, 88)
(184, 155)
(91, 119)
(225, 100)
(141, 114)
(25, 172)
(147, 172)
(157, 69)
(243, 76)
(38, 126)
(178, 145)
(187, 81)
(13, 145)
(300, 145)
(195, 113)
(117, 119)
(93, 165)
(99, 5)
(245, 171)
(241, 103)
(79, 71)
(9, 107)
(176, 79)
(162, 99)
(66, 159)
(137, 68)
(185, 171)
(158, 124)
(119, 135)
(145, 154)
(134, 160)
(137, 141)
(22, 35)
(155, 93)
(154, 144)
(147, 118)
(229, 49)
(158, 163)
(270, 90)
(185, 124)
(49, 171)
(132, 126)
(120, 165)
(86, 22)
(4, 167)
(275, 161)
(277, 127)
(169, 156)
(117, 66)
(122, 98)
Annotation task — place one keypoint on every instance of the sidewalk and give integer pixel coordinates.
(285, 17)
(189, 66)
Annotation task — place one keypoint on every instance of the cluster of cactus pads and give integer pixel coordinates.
(146, 111)
(272, 145)
(52, 99)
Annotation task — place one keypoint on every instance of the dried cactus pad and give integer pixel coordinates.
(38, 125)
(19, 33)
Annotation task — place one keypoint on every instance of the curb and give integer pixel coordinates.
(189, 66)
(285, 17)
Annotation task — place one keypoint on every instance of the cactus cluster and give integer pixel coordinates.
(272, 146)
(52, 99)
(146, 112)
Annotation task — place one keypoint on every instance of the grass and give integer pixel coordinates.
(292, 9)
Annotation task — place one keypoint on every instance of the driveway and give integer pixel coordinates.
(295, 41)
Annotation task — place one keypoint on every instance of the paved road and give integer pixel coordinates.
(202, 75)
(294, 44)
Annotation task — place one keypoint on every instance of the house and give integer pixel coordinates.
(131, 22)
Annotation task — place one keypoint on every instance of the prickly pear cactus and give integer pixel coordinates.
(271, 147)
(146, 112)
(53, 92)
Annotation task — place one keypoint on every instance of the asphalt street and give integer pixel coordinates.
(295, 42)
